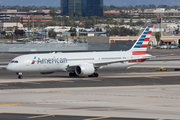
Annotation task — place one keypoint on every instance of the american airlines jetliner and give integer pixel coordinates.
(85, 63)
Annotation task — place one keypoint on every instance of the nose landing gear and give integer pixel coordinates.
(20, 76)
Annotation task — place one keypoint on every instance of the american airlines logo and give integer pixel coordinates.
(49, 60)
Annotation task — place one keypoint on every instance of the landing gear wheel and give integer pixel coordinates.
(73, 75)
(94, 75)
(20, 77)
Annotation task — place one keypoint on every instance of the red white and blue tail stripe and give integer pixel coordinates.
(140, 47)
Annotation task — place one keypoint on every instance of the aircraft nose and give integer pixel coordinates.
(8, 67)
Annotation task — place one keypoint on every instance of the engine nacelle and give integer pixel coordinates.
(84, 70)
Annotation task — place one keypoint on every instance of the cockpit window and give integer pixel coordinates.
(14, 61)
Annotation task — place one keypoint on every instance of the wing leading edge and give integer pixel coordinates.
(102, 63)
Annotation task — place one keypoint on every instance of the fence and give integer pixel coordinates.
(58, 47)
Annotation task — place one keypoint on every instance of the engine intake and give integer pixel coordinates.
(84, 70)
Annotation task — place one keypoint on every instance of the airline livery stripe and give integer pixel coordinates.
(140, 42)
(144, 46)
(139, 49)
(145, 33)
(145, 42)
(136, 61)
(148, 36)
(139, 53)
(150, 29)
(143, 36)
(137, 46)
(146, 39)
(141, 46)
(149, 32)
(143, 60)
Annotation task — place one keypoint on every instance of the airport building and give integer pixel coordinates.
(84, 8)
(36, 19)
(7, 26)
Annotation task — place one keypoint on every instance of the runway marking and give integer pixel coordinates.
(9, 105)
(44, 103)
(66, 81)
(165, 97)
(53, 92)
(5, 93)
(165, 89)
(95, 80)
(40, 116)
(153, 77)
(96, 118)
(30, 82)
(135, 75)
(4, 84)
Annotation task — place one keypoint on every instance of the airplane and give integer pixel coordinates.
(83, 63)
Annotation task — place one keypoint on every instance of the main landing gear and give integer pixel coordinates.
(94, 75)
(73, 74)
(20, 76)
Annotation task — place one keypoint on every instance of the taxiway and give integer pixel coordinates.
(139, 92)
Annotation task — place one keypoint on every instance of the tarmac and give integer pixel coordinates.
(139, 92)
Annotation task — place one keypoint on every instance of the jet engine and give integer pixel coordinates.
(84, 70)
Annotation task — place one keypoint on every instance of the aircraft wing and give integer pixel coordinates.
(102, 63)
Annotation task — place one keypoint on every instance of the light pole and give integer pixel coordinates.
(74, 7)
(44, 32)
(17, 27)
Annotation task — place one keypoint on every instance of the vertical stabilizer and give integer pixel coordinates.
(140, 47)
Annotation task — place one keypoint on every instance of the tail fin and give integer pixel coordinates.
(140, 47)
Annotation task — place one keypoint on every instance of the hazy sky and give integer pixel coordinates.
(106, 2)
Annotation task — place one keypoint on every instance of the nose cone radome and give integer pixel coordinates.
(12, 67)
(9, 67)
